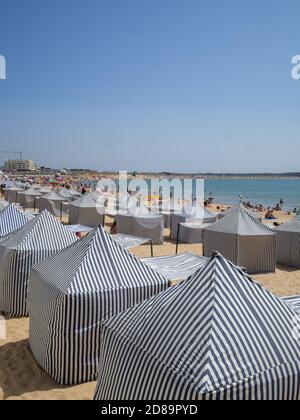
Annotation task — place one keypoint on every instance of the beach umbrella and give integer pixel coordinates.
(11, 219)
(40, 238)
(72, 293)
(288, 243)
(243, 240)
(217, 336)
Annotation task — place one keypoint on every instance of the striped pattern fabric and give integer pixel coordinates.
(217, 336)
(176, 267)
(243, 240)
(288, 240)
(19, 252)
(129, 242)
(294, 302)
(11, 219)
(72, 293)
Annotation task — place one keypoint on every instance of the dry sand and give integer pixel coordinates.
(20, 376)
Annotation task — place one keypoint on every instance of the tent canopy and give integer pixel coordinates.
(219, 335)
(293, 226)
(88, 282)
(11, 219)
(19, 252)
(239, 221)
(32, 192)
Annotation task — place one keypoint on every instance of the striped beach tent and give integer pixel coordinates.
(232, 209)
(177, 267)
(190, 214)
(72, 293)
(19, 252)
(217, 336)
(243, 240)
(288, 243)
(11, 219)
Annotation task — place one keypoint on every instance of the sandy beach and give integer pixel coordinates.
(21, 377)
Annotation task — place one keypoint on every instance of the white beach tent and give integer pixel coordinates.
(66, 194)
(225, 213)
(45, 190)
(72, 293)
(140, 222)
(54, 203)
(12, 194)
(75, 194)
(86, 211)
(190, 214)
(28, 198)
(243, 240)
(11, 219)
(217, 336)
(150, 226)
(40, 238)
(288, 243)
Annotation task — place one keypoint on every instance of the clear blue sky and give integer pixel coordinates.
(166, 85)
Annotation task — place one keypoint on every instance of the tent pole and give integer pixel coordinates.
(177, 241)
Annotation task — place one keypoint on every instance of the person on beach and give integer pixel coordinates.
(269, 215)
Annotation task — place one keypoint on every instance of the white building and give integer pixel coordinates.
(20, 166)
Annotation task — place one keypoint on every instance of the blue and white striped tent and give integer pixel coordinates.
(11, 219)
(288, 241)
(243, 240)
(19, 252)
(72, 293)
(217, 336)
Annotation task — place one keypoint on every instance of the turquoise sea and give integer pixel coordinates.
(267, 192)
(259, 191)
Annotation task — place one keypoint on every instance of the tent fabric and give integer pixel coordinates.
(66, 194)
(79, 229)
(86, 211)
(28, 198)
(192, 233)
(288, 243)
(12, 194)
(11, 220)
(217, 336)
(294, 302)
(243, 240)
(190, 215)
(45, 190)
(3, 204)
(53, 202)
(72, 293)
(129, 242)
(225, 213)
(176, 267)
(149, 226)
(19, 252)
